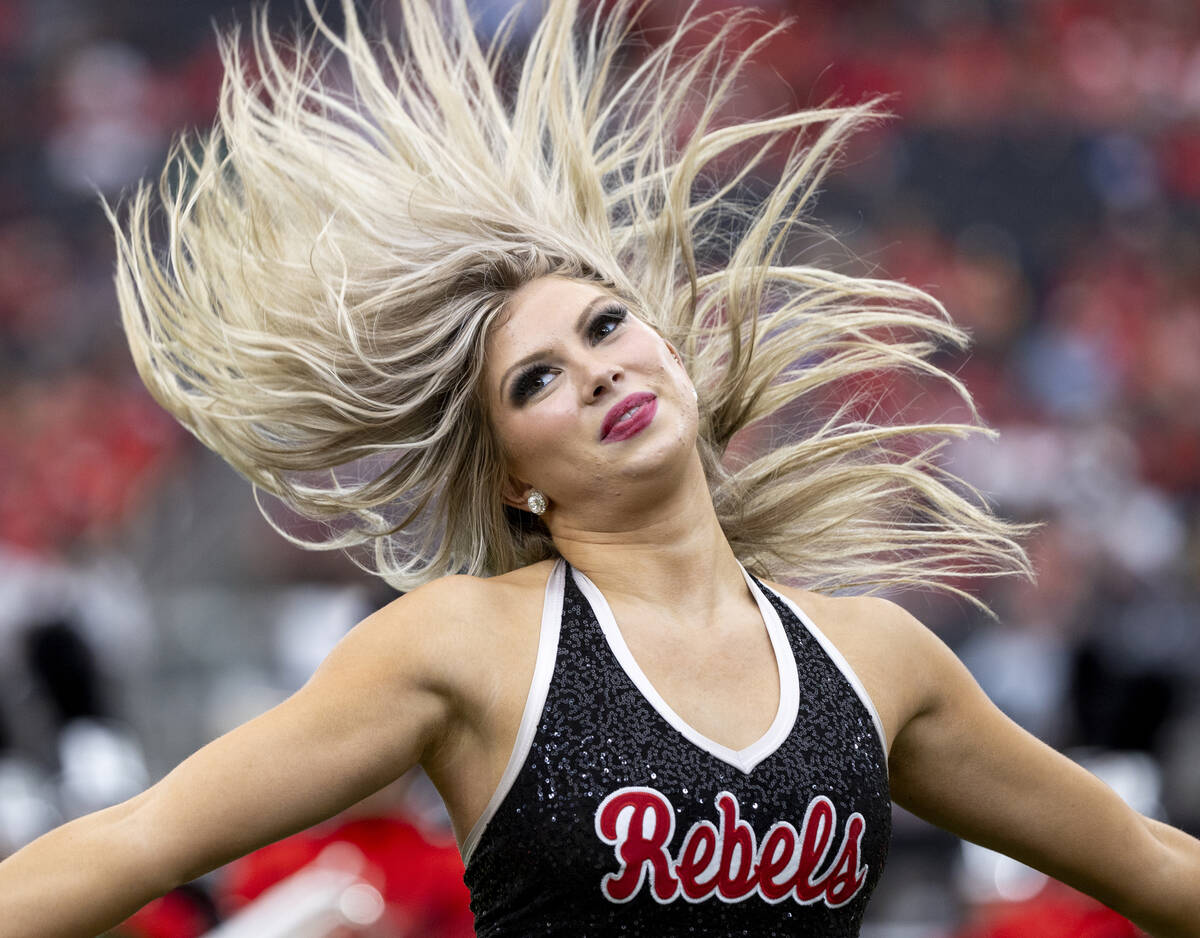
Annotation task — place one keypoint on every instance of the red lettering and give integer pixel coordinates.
(777, 863)
(639, 823)
(816, 836)
(721, 859)
(845, 878)
(697, 858)
(736, 877)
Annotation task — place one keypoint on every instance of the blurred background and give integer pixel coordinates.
(1041, 177)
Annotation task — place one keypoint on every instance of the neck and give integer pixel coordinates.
(672, 539)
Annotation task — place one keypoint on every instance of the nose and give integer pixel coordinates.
(604, 378)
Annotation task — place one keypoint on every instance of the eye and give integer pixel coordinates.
(529, 382)
(605, 322)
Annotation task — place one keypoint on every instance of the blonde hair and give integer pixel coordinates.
(338, 246)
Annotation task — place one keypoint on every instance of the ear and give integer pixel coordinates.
(514, 492)
(674, 351)
(682, 367)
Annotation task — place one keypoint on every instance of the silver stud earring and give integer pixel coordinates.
(537, 502)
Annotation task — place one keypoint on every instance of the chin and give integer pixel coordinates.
(668, 456)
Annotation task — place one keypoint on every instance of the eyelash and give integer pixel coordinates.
(609, 314)
(528, 382)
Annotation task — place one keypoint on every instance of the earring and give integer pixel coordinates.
(537, 502)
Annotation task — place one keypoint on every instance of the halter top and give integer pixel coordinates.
(614, 816)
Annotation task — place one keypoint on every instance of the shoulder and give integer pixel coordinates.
(453, 603)
(862, 619)
(444, 626)
(901, 663)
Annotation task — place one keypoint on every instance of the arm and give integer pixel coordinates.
(369, 713)
(958, 762)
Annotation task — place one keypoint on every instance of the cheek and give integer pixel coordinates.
(533, 440)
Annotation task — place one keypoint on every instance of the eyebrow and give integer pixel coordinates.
(580, 325)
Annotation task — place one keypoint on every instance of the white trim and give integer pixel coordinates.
(843, 665)
(535, 701)
(789, 682)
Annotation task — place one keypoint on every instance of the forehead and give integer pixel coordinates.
(536, 313)
(544, 301)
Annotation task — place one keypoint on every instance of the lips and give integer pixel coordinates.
(628, 416)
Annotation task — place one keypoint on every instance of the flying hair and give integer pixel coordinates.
(310, 285)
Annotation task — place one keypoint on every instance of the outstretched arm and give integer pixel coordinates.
(960, 763)
(366, 716)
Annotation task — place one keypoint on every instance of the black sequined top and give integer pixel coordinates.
(615, 817)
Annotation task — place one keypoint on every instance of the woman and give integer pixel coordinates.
(474, 328)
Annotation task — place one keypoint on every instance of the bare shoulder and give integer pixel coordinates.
(449, 627)
(897, 658)
(868, 621)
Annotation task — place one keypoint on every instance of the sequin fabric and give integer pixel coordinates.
(540, 864)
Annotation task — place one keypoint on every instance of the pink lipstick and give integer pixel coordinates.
(628, 416)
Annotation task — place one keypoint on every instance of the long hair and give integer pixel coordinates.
(315, 301)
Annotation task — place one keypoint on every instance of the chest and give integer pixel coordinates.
(723, 680)
(737, 694)
(622, 796)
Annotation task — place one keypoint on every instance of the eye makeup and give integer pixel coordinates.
(528, 383)
(605, 322)
(532, 379)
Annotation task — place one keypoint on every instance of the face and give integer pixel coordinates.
(590, 404)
